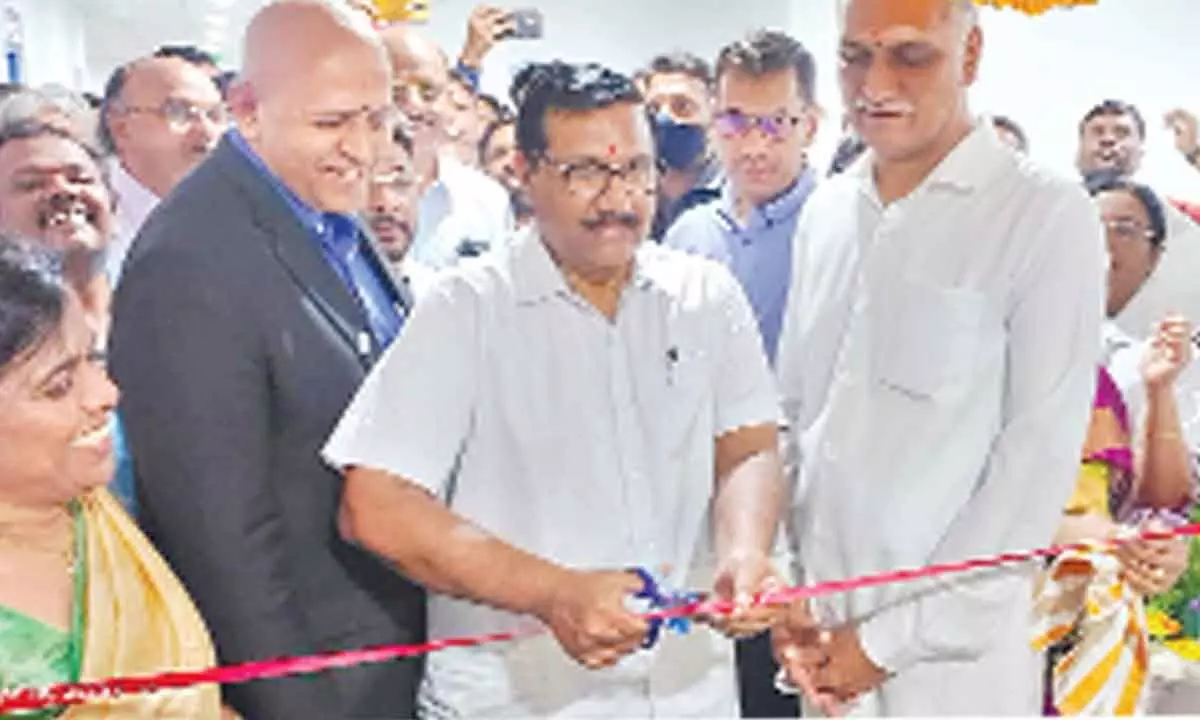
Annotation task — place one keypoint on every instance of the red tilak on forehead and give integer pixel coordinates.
(612, 150)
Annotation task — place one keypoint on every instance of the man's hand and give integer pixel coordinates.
(847, 671)
(799, 644)
(741, 579)
(486, 26)
(586, 612)
(1183, 124)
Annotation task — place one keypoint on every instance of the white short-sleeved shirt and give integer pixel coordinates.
(587, 441)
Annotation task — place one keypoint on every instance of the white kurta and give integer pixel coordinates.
(585, 441)
(937, 365)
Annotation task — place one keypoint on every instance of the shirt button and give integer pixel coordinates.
(828, 452)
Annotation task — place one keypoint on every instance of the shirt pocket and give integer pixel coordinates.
(683, 389)
(929, 339)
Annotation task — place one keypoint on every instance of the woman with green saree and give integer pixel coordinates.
(83, 594)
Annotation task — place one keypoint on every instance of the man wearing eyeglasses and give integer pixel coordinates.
(764, 124)
(160, 117)
(578, 403)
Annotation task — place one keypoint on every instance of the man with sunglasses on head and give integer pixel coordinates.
(764, 124)
(937, 365)
(160, 116)
(578, 403)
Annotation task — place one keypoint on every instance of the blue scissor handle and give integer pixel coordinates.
(651, 594)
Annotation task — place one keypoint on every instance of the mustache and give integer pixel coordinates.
(627, 220)
(386, 220)
(896, 107)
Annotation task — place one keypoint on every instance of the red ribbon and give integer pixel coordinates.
(66, 694)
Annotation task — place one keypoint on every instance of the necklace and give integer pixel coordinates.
(18, 541)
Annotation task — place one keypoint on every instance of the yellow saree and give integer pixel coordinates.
(138, 620)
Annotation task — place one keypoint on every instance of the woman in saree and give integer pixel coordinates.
(83, 595)
(1129, 481)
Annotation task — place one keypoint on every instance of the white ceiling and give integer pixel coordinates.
(117, 31)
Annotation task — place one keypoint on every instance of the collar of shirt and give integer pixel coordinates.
(537, 278)
(134, 200)
(969, 166)
(774, 212)
(336, 231)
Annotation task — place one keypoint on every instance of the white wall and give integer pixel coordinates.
(621, 33)
(55, 46)
(1047, 71)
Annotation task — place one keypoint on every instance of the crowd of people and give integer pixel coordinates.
(398, 360)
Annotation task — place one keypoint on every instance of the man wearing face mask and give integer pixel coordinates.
(678, 90)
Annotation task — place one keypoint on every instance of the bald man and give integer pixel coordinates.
(463, 212)
(251, 306)
(160, 117)
(937, 365)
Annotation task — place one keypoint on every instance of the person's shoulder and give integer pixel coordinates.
(473, 183)
(688, 277)
(693, 227)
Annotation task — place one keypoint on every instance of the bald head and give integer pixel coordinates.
(410, 50)
(314, 99)
(162, 115)
(273, 55)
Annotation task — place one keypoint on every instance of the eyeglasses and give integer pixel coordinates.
(181, 114)
(1127, 230)
(592, 178)
(735, 123)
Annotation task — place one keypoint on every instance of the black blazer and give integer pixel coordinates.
(237, 348)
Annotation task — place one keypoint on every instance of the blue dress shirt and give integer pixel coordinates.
(343, 246)
(758, 253)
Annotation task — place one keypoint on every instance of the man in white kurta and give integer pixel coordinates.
(937, 364)
(518, 447)
(937, 368)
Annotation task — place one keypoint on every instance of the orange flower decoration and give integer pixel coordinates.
(1034, 7)
(390, 11)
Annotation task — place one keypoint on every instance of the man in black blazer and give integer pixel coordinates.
(249, 311)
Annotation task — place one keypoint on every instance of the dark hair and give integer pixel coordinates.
(7, 90)
(1006, 123)
(1108, 180)
(187, 53)
(402, 137)
(114, 87)
(32, 297)
(539, 88)
(1115, 107)
(681, 63)
(493, 104)
(29, 129)
(485, 140)
(767, 51)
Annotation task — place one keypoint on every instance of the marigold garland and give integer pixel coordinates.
(1034, 7)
